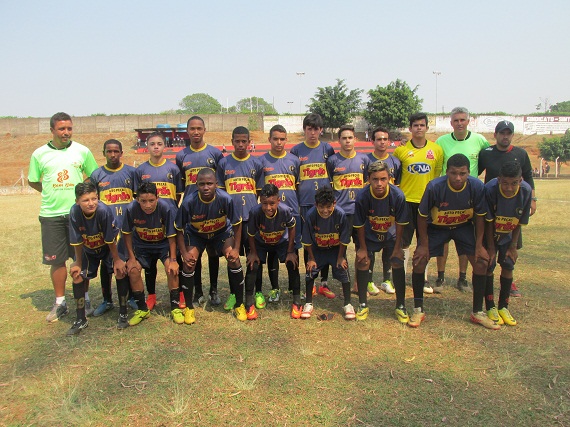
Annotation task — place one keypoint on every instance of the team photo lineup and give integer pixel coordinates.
(311, 208)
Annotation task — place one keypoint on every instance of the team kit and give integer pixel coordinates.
(306, 208)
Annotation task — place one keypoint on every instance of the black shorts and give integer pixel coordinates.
(412, 226)
(502, 260)
(279, 249)
(91, 260)
(55, 240)
(147, 257)
(217, 242)
(325, 257)
(463, 236)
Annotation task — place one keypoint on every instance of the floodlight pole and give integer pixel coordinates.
(300, 74)
(436, 73)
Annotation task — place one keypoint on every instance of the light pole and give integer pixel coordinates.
(300, 74)
(290, 104)
(436, 73)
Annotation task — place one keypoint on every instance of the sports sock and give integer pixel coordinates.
(198, 278)
(418, 282)
(505, 292)
(79, 296)
(214, 268)
(372, 258)
(400, 285)
(250, 279)
(258, 279)
(406, 259)
(324, 273)
(386, 265)
(235, 277)
(294, 282)
(106, 283)
(123, 291)
(441, 275)
(150, 277)
(309, 283)
(489, 297)
(60, 300)
(273, 269)
(362, 282)
(174, 298)
(139, 298)
(346, 292)
(87, 297)
(479, 282)
(187, 286)
(463, 276)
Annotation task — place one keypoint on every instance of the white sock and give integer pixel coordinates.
(87, 296)
(59, 300)
(406, 259)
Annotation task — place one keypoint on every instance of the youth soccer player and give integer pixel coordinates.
(326, 235)
(271, 229)
(115, 183)
(209, 218)
(380, 216)
(509, 199)
(93, 234)
(149, 233)
(453, 207)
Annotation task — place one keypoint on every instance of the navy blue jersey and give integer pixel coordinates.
(394, 166)
(270, 231)
(507, 212)
(348, 176)
(313, 170)
(150, 230)
(325, 233)
(190, 161)
(94, 232)
(445, 207)
(207, 219)
(283, 172)
(165, 176)
(116, 188)
(379, 216)
(240, 178)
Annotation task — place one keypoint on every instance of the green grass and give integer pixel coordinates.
(277, 371)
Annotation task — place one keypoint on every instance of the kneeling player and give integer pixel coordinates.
(508, 198)
(381, 213)
(93, 235)
(208, 218)
(453, 207)
(326, 234)
(148, 228)
(271, 230)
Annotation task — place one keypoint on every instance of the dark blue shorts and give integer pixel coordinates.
(147, 257)
(280, 249)
(91, 260)
(324, 257)
(377, 245)
(463, 236)
(412, 226)
(217, 242)
(502, 260)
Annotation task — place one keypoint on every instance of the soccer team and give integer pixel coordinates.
(268, 207)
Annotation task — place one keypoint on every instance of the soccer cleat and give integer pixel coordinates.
(177, 316)
(151, 301)
(123, 322)
(462, 285)
(182, 301)
(439, 284)
(349, 313)
(362, 313)
(387, 287)
(314, 290)
(493, 314)
(515, 293)
(402, 315)
(57, 312)
(77, 326)
(230, 302)
(214, 298)
(138, 317)
(324, 290)
(295, 311)
(372, 289)
(307, 311)
(427, 288)
(481, 318)
(103, 308)
(274, 295)
(240, 313)
(418, 316)
(189, 316)
(88, 309)
(260, 300)
(133, 304)
(199, 299)
(252, 313)
(506, 316)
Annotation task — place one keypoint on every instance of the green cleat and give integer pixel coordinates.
(138, 317)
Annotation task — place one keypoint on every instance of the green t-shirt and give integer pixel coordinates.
(60, 171)
(470, 146)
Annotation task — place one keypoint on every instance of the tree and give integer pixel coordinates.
(256, 105)
(392, 105)
(552, 148)
(560, 107)
(335, 104)
(199, 103)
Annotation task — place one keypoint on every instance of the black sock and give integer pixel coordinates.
(386, 265)
(214, 268)
(309, 283)
(324, 273)
(346, 292)
(441, 275)
(235, 277)
(489, 297)
(198, 291)
(250, 279)
(174, 298)
(259, 279)
(505, 292)
(273, 269)
(418, 282)
(400, 286)
(372, 257)
(79, 296)
(294, 282)
(106, 283)
(479, 282)
(462, 276)
(187, 286)
(139, 298)
(150, 277)
(362, 284)
(123, 286)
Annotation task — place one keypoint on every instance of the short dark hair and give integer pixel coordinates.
(204, 172)
(458, 160)
(146, 187)
(380, 129)
(313, 120)
(418, 116)
(58, 117)
(343, 128)
(269, 190)
(195, 118)
(156, 133)
(85, 188)
(276, 128)
(112, 141)
(511, 170)
(324, 196)
(378, 166)
(240, 130)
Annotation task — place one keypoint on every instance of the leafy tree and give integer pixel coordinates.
(336, 104)
(560, 107)
(552, 148)
(392, 105)
(255, 104)
(199, 103)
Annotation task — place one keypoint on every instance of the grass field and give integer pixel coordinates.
(279, 372)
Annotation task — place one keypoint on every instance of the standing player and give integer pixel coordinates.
(422, 161)
(463, 141)
(453, 207)
(313, 155)
(115, 183)
(381, 214)
(190, 161)
(93, 234)
(55, 169)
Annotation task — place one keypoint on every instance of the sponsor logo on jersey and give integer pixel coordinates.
(104, 184)
(451, 218)
(380, 224)
(505, 224)
(165, 190)
(327, 240)
(429, 155)
(313, 171)
(210, 225)
(240, 185)
(151, 234)
(229, 171)
(348, 181)
(94, 242)
(419, 168)
(116, 195)
(146, 176)
(281, 181)
(271, 238)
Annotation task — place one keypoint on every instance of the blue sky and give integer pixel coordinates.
(144, 57)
